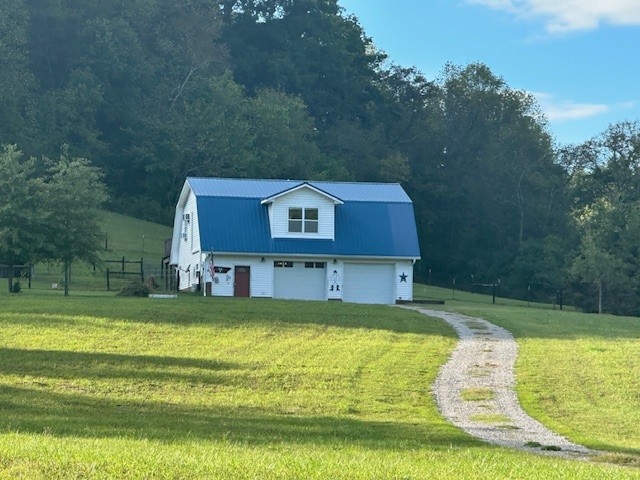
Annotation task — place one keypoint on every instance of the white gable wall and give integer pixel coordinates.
(189, 258)
(302, 198)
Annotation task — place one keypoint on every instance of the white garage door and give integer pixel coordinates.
(299, 280)
(369, 283)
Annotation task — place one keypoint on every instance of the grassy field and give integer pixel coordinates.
(109, 387)
(577, 373)
(133, 238)
(123, 237)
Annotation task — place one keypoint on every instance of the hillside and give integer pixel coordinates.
(124, 236)
(133, 238)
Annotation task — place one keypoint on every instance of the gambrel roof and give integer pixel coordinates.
(371, 219)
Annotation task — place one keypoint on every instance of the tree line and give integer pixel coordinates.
(152, 91)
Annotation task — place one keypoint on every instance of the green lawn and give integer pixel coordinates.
(109, 387)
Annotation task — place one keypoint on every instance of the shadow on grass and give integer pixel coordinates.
(62, 364)
(73, 415)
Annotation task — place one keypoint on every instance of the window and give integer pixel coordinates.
(280, 264)
(303, 220)
(295, 220)
(314, 264)
(311, 220)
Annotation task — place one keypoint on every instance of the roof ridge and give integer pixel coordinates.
(342, 182)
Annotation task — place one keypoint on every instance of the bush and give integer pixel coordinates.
(16, 287)
(135, 289)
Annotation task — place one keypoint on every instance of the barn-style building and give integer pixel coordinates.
(355, 242)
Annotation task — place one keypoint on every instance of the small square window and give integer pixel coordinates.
(303, 220)
(320, 264)
(309, 265)
(288, 264)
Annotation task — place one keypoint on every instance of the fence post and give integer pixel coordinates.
(560, 299)
(141, 268)
(108, 280)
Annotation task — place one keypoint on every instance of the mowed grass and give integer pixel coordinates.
(109, 387)
(577, 373)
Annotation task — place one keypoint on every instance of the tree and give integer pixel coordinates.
(598, 267)
(600, 261)
(494, 185)
(75, 195)
(306, 48)
(16, 81)
(284, 140)
(21, 219)
(605, 189)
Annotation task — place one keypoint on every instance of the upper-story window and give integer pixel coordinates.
(303, 220)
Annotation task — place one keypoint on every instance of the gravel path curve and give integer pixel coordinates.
(475, 390)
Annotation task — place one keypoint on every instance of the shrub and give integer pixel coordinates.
(16, 287)
(135, 289)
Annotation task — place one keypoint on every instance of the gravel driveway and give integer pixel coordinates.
(475, 390)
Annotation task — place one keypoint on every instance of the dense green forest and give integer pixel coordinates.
(151, 91)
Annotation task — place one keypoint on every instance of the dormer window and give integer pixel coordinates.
(303, 220)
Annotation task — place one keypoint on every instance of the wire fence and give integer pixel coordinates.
(112, 275)
(490, 285)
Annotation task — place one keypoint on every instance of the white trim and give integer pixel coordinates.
(270, 199)
(338, 257)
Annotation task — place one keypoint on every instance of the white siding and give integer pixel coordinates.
(189, 246)
(369, 283)
(303, 198)
(262, 278)
(260, 275)
(404, 289)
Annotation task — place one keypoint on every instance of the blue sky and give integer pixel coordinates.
(580, 58)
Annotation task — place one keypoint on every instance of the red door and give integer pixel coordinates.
(241, 285)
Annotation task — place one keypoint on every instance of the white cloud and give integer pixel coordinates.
(563, 110)
(570, 15)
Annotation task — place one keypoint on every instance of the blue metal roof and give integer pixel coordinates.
(375, 219)
(345, 191)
